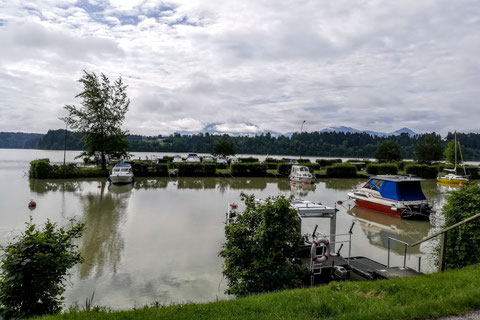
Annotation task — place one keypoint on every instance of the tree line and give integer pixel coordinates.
(326, 144)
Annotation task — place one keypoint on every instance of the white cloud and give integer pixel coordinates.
(273, 64)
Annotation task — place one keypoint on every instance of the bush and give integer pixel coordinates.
(328, 162)
(342, 170)
(463, 242)
(382, 168)
(271, 166)
(42, 169)
(422, 171)
(261, 248)
(272, 160)
(149, 169)
(302, 161)
(248, 160)
(360, 164)
(402, 164)
(34, 268)
(197, 169)
(285, 168)
(249, 169)
(221, 165)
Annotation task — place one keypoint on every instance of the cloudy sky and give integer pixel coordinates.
(247, 64)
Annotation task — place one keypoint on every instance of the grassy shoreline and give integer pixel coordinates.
(434, 295)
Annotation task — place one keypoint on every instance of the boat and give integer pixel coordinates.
(193, 158)
(208, 159)
(399, 196)
(121, 174)
(301, 174)
(453, 178)
(177, 159)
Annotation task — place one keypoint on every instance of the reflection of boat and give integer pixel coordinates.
(379, 227)
(122, 173)
(453, 178)
(301, 189)
(399, 196)
(120, 188)
(301, 174)
(193, 158)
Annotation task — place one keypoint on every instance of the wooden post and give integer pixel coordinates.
(443, 250)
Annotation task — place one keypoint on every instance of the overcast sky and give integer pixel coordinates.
(247, 64)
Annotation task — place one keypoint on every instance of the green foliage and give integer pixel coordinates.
(401, 164)
(382, 168)
(271, 165)
(303, 161)
(428, 149)
(148, 169)
(34, 267)
(328, 162)
(285, 168)
(463, 242)
(342, 170)
(422, 171)
(100, 116)
(272, 160)
(450, 152)
(42, 169)
(261, 248)
(360, 164)
(388, 151)
(249, 169)
(224, 147)
(197, 169)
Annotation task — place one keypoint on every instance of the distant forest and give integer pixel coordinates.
(326, 144)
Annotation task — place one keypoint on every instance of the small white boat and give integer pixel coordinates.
(193, 158)
(222, 160)
(208, 159)
(454, 178)
(177, 159)
(301, 174)
(121, 174)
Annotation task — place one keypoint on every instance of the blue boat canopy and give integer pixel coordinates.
(123, 165)
(192, 155)
(406, 190)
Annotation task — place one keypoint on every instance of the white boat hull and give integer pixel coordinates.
(121, 179)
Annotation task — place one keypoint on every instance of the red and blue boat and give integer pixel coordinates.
(399, 196)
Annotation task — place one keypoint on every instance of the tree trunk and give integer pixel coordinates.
(104, 163)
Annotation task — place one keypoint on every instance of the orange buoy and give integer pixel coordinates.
(293, 182)
(303, 183)
(99, 186)
(461, 184)
(359, 182)
(339, 202)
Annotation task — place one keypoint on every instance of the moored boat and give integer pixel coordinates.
(454, 178)
(399, 196)
(121, 174)
(301, 174)
(193, 158)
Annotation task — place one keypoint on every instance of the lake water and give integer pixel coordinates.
(159, 239)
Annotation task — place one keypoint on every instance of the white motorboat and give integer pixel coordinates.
(121, 174)
(193, 158)
(208, 159)
(301, 174)
(177, 159)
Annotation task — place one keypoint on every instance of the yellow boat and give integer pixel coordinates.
(452, 179)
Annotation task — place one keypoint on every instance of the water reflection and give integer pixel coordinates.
(64, 185)
(102, 243)
(302, 190)
(379, 227)
(340, 184)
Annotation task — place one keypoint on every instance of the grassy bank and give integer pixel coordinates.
(451, 292)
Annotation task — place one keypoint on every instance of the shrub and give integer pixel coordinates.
(34, 267)
(284, 168)
(402, 164)
(422, 171)
(149, 169)
(271, 166)
(272, 160)
(463, 242)
(261, 248)
(40, 169)
(360, 164)
(302, 161)
(328, 162)
(197, 169)
(249, 169)
(342, 170)
(382, 168)
(221, 165)
(248, 160)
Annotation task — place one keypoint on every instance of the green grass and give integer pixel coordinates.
(451, 292)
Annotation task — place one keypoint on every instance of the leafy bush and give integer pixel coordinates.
(382, 168)
(248, 160)
(149, 169)
(249, 169)
(360, 164)
(328, 162)
(402, 164)
(221, 165)
(342, 170)
(285, 168)
(197, 169)
(34, 267)
(272, 160)
(42, 169)
(271, 166)
(302, 161)
(261, 248)
(463, 242)
(422, 171)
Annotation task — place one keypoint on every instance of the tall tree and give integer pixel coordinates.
(428, 149)
(388, 151)
(100, 116)
(224, 146)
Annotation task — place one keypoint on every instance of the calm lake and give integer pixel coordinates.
(159, 239)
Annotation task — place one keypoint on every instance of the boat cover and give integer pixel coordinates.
(399, 191)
